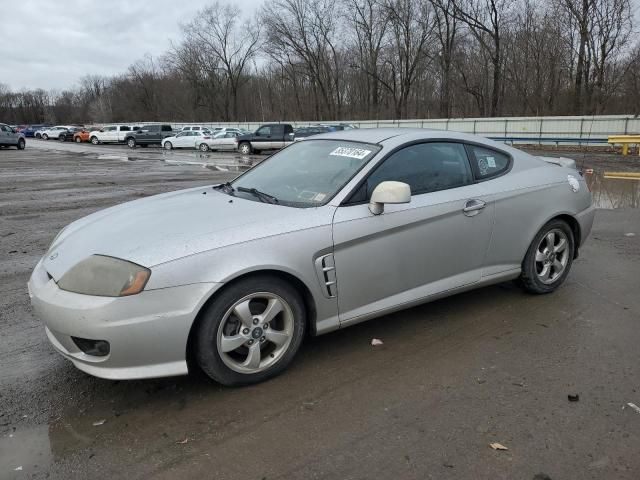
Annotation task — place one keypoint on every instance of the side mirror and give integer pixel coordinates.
(388, 192)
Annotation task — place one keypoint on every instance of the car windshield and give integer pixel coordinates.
(306, 174)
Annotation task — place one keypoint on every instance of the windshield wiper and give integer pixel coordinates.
(265, 197)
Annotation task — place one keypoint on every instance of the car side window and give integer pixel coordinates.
(264, 131)
(425, 167)
(488, 163)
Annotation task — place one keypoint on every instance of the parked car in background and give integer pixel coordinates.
(83, 134)
(189, 128)
(219, 141)
(338, 127)
(110, 134)
(55, 132)
(30, 130)
(149, 135)
(68, 134)
(304, 132)
(10, 137)
(186, 139)
(271, 136)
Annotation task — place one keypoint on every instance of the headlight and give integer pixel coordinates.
(105, 277)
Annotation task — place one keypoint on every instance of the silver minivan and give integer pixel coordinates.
(9, 137)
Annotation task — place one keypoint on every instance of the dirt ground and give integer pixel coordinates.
(453, 376)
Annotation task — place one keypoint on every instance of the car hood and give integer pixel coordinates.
(169, 226)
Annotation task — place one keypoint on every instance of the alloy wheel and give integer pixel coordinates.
(552, 256)
(255, 332)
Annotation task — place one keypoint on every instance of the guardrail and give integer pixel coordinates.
(568, 130)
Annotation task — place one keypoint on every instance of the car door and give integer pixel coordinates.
(228, 141)
(262, 139)
(181, 139)
(437, 242)
(7, 137)
(277, 136)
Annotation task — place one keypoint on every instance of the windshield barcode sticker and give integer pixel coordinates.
(358, 153)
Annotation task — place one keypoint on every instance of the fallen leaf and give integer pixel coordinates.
(99, 422)
(376, 341)
(182, 442)
(498, 446)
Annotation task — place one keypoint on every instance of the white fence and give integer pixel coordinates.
(578, 130)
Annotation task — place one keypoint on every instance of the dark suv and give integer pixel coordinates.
(148, 135)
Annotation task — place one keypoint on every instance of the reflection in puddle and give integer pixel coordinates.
(614, 192)
(107, 156)
(25, 452)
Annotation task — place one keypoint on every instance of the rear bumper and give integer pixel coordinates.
(147, 333)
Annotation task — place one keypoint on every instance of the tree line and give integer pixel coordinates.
(367, 59)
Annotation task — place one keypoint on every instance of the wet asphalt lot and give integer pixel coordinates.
(453, 376)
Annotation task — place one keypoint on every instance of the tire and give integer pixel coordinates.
(245, 148)
(62, 138)
(94, 140)
(78, 140)
(21, 144)
(38, 136)
(219, 321)
(544, 268)
(204, 147)
(168, 146)
(131, 142)
(45, 136)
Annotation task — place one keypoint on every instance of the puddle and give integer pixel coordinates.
(109, 156)
(25, 452)
(611, 191)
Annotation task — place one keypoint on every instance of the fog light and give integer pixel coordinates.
(97, 348)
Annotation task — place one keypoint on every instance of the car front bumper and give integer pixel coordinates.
(147, 333)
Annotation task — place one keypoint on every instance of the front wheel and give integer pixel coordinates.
(94, 140)
(78, 140)
(204, 147)
(245, 148)
(131, 143)
(62, 138)
(21, 144)
(45, 136)
(251, 332)
(168, 146)
(549, 258)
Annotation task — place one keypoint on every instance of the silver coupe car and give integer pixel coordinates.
(329, 232)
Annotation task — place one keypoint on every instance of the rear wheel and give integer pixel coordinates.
(131, 143)
(251, 332)
(204, 147)
(78, 140)
(549, 258)
(21, 144)
(94, 140)
(45, 136)
(62, 137)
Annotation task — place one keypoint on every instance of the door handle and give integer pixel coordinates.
(473, 207)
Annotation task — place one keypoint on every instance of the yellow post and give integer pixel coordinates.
(625, 148)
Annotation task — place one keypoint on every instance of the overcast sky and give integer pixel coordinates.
(45, 44)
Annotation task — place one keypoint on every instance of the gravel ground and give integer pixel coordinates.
(453, 376)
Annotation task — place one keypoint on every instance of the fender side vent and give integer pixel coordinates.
(326, 271)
